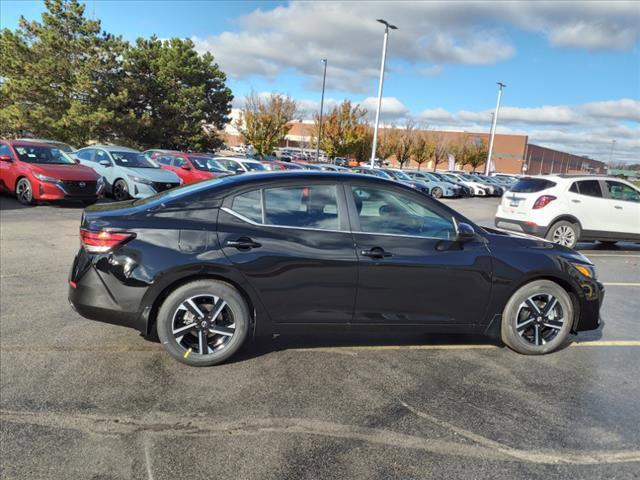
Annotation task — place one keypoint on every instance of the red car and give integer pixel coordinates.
(278, 165)
(190, 167)
(36, 171)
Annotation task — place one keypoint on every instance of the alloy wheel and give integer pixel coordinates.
(539, 319)
(436, 192)
(203, 324)
(120, 191)
(24, 192)
(564, 235)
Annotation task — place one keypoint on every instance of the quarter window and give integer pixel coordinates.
(590, 188)
(389, 212)
(621, 191)
(248, 205)
(311, 207)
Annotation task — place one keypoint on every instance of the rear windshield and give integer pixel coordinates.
(532, 185)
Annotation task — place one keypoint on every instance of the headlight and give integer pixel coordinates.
(588, 271)
(100, 184)
(136, 179)
(45, 178)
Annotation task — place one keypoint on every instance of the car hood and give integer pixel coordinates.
(153, 174)
(66, 172)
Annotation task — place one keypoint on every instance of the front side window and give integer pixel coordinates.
(254, 167)
(43, 155)
(622, 191)
(389, 212)
(590, 188)
(305, 206)
(231, 165)
(179, 162)
(164, 159)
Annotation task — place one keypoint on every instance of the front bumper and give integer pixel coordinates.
(520, 226)
(590, 307)
(49, 191)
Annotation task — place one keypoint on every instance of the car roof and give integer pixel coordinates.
(112, 148)
(30, 142)
(567, 177)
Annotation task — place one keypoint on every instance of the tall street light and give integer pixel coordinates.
(324, 78)
(387, 26)
(493, 129)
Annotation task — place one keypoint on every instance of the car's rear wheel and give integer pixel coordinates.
(564, 233)
(203, 322)
(24, 191)
(436, 192)
(537, 318)
(120, 190)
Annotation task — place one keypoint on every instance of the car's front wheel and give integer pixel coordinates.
(120, 190)
(537, 318)
(564, 233)
(203, 323)
(436, 192)
(24, 191)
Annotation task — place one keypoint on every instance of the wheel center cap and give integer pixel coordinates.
(204, 324)
(539, 319)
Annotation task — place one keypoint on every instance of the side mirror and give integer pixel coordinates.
(465, 232)
(105, 163)
(5, 158)
(185, 167)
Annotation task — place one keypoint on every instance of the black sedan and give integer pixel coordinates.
(212, 264)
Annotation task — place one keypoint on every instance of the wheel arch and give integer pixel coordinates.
(575, 293)
(564, 217)
(155, 304)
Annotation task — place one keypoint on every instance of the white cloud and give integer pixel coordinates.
(297, 35)
(431, 71)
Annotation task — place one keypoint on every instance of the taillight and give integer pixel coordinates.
(102, 241)
(543, 201)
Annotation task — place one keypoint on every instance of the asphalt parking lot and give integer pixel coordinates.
(80, 399)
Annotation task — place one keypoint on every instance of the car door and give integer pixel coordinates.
(411, 270)
(108, 170)
(183, 168)
(585, 201)
(7, 169)
(623, 208)
(292, 243)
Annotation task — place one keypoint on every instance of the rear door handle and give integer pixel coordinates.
(243, 243)
(575, 201)
(375, 252)
(618, 207)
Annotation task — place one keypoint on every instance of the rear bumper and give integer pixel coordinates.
(520, 226)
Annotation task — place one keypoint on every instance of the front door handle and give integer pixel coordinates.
(375, 252)
(575, 201)
(243, 243)
(618, 207)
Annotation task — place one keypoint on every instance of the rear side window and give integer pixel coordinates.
(590, 188)
(532, 185)
(164, 159)
(249, 205)
(311, 207)
(85, 154)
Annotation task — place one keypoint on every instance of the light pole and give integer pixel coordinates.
(613, 144)
(324, 78)
(387, 26)
(493, 128)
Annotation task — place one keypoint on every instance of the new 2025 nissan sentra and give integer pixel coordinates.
(212, 264)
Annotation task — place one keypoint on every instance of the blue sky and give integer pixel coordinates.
(572, 68)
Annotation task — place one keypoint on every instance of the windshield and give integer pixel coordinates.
(400, 175)
(468, 178)
(430, 176)
(132, 160)
(43, 154)
(254, 167)
(453, 178)
(169, 195)
(207, 164)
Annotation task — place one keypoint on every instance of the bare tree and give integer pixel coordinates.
(264, 122)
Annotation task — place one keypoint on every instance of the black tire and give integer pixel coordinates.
(24, 191)
(86, 203)
(436, 192)
(120, 190)
(173, 315)
(523, 331)
(564, 233)
(608, 243)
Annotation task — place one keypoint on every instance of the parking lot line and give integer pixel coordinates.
(621, 284)
(622, 255)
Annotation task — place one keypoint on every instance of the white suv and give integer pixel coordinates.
(566, 209)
